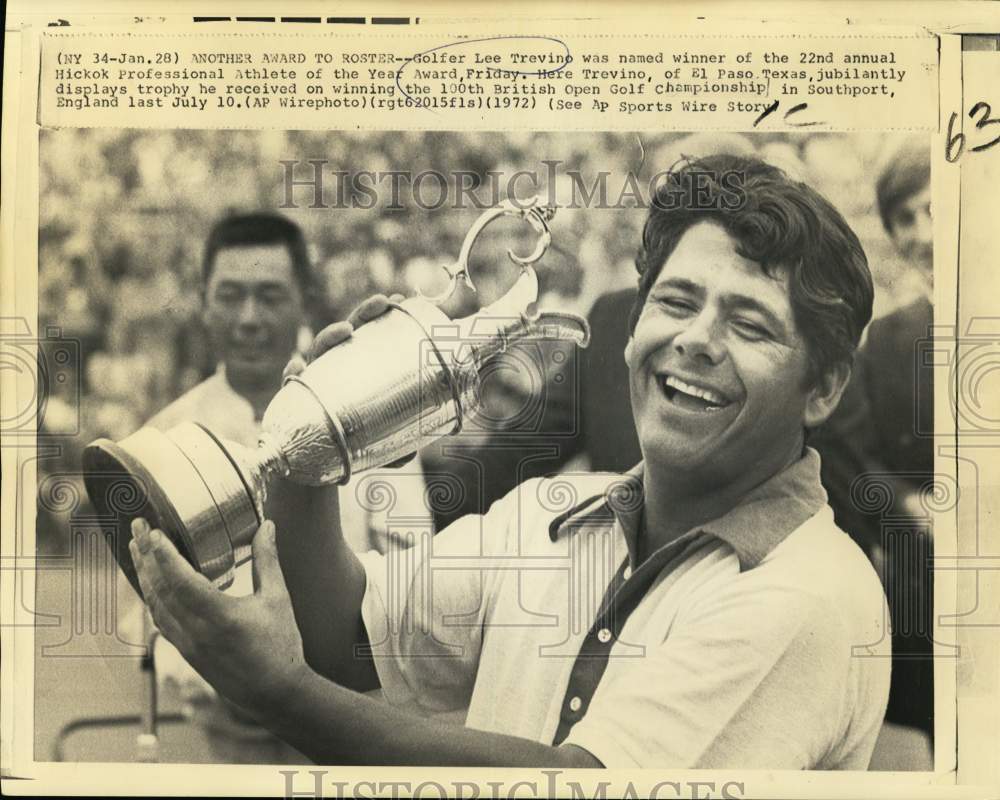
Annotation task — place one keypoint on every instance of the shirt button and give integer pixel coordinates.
(627, 573)
(575, 704)
(604, 636)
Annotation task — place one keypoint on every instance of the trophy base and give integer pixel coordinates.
(183, 482)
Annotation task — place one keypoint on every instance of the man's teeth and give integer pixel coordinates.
(707, 395)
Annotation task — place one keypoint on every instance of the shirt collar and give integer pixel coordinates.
(620, 496)
(753, 528)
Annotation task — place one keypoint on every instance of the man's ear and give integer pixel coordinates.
(825, 395)
(629, 347)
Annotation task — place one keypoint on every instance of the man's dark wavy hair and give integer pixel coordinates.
(780, 224)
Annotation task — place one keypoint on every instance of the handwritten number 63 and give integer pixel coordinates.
(955, 145)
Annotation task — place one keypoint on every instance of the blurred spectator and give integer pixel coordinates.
(258, 287)
(876, 431)
(609, 441)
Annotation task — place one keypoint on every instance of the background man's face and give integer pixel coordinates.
(253, 310)
(912, 230)
(717, 366)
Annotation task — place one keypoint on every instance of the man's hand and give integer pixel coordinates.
(248, 648)
(173, 671)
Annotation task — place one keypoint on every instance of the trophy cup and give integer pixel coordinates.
(397, 384)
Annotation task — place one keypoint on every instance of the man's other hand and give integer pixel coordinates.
(248, 648)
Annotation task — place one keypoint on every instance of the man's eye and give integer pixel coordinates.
(227, 295)
(750, 330)
(677, 304)
(273, 297)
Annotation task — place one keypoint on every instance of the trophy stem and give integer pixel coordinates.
(258, 466)
(270, 458)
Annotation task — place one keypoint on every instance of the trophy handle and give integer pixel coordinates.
(532, 211)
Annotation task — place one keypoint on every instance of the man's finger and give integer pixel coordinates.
(187, 594)
(267, 574)
(330, 336)
(294, 366)
(374, 306)
(147, 571)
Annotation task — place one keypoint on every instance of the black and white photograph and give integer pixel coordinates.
(558, 450)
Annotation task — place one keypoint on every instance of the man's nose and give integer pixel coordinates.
(701, 339)
(250, 313)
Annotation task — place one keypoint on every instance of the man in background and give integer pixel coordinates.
(258, 288)
(878, 431)
(258, 291)
(607, 429)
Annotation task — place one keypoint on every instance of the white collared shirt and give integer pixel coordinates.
(752, 648)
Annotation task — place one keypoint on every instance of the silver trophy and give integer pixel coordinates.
(400, 382)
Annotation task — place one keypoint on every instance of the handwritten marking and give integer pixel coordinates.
(954, 144)
(769, 110)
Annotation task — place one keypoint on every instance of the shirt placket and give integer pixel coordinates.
(623, 595)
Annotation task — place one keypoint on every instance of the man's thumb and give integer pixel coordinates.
(266, 568)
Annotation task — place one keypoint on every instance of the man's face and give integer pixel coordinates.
(253, 309)
(911, 230)
(717, 366)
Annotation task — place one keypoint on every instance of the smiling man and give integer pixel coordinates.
(258, 289)
(701, 611)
